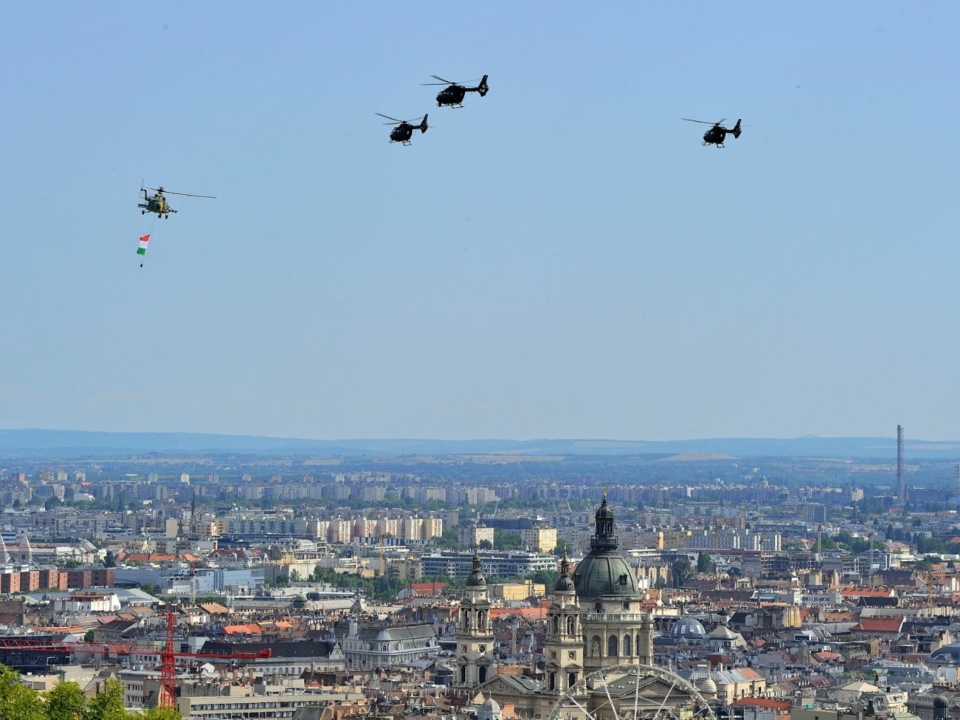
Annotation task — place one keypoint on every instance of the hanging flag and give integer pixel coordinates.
(142, 250)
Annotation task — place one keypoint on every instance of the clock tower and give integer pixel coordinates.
(563, 649)
(475, 633)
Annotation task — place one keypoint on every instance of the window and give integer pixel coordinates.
(626, 646)
(612, 646)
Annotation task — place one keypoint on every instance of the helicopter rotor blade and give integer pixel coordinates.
(170, 192)
(721, 121)
(389, 118)
(704, 122)
(448, 82)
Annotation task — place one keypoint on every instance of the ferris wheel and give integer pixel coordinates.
(632, 692)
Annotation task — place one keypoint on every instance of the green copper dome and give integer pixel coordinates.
(604, 572)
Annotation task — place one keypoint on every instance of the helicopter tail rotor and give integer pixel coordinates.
(736, 129)
(423, 125)
(483, 88)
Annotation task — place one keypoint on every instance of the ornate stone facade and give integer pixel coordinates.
(475, 634)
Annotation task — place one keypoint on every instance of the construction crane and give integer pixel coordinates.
(168, 656)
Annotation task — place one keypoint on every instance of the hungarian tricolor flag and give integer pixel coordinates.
(142, 250)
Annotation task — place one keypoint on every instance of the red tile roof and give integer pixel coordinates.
(880, 625)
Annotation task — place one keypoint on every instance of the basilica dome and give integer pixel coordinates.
(604, 572)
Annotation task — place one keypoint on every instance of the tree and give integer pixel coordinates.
(704, 563)
(548, 578)
(294, 576)
(109, 560)
(16, 700)
(158, 713)
(508, 541)
(108, 705)
(680, 570)
(66, 702)
(485, 545)
(450, 539)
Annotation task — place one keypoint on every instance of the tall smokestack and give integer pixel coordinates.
(901, 488)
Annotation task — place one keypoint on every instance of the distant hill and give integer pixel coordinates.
(66, 443)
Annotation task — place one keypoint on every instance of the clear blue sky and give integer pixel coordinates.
(559, 259)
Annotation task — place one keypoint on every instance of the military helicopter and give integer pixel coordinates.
(454, 93)
(158, 204)
(404, 128)
(716, 134)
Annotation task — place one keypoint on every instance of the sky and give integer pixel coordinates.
(561, 258)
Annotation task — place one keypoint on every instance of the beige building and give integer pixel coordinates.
(432, 528)
(510, 592)
(539, 539)
(206, 528)
(473, 534)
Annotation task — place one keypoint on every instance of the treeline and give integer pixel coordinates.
(67, 702)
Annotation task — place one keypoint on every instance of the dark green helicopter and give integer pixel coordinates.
(716, 134)
(453, 94)
(158, 204)
(404, 128)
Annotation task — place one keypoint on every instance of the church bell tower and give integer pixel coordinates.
(475, 633)
(563, 649)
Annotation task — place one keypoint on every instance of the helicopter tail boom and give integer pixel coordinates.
(483, 88)
(736, 130)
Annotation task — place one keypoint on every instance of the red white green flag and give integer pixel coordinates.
(142, 250)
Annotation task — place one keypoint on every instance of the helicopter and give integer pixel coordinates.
(716, 134)
(158, 204)
(454, 93)
(404, 128)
